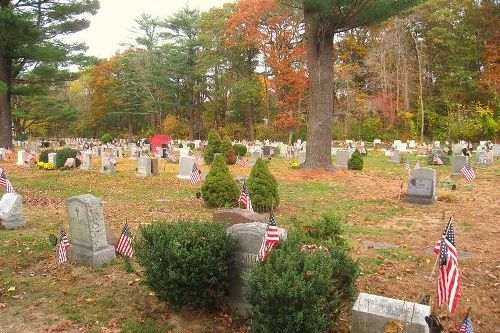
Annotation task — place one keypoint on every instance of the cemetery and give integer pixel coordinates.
(249, 166)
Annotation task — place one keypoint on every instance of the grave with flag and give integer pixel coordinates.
(467, 326)
(244, 198)
(437, 160)
(241, 161)
(468, 172)
(407, 166)
(6, 182)
(195, 177)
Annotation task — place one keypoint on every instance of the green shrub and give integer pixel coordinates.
(240, 149)
(219, 188)
(277, 151)
(263, 187)
(213, 146)
(187, 263)
(106, 138)
(191, 145)
(309, 285)
(181, 145)
(356, 161)
(64, 154)
(226, 149)
(445, 158)
(21, 137)
(44, 155)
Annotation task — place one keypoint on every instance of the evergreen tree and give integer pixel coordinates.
(219, 189)
(263, 187)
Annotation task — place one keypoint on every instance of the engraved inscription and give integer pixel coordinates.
(78, 225)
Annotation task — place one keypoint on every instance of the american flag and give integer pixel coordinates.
(124, 245)
(467, 325)
(241, 161)
(437, 160)
(199, 161)
(407, 166)
(448, 279)
(63, 245)
(195, 175)
(245, 198)
(172, 157)
(417, 165)
(487, 155)
(5, 182)
(468, 172)
(271, 238)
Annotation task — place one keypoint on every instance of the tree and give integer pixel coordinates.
(323, 19)
(29, 31)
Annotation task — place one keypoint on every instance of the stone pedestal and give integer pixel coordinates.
(11, 211)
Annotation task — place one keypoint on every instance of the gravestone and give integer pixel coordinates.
(185, 167)
(484, 157)
(254, 156)
(496, 150)
(154, 167)
(458, 163)
(52, 158)
(301, 156)
(377, 142)
(412, 144)
(342, 158)
(184, 152)
(266, 151)
(21, 157)
(238, 215)
(89, 245)
(144, 166)
(395, 157)
(86, 161)
(249, 236)
(422, 186)
(456, 148)
(375, 314)
(70, 163)
(11, 211)
(106, 166)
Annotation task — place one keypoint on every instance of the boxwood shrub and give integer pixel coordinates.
(64, 154)
(356, 161)
(186, 263)
(240, 149)
(44, 155)
(263, 187)
(219, 188)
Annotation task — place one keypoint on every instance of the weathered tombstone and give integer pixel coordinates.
(341, 159)
(52, 158)
(238, 215)
(422, 186)
(266, 151)
(412, 144)
(496, 150)
(11, 211)
(249, 236)
(301, 156)
(70, 163)
(86, 161)
(254, 156)
(484, 156)
(154, 167)
(185, 167)
(377, 142)
(89, 246)
(395, 157)
(144, 166)
(458, 163)
(106, 166)
(373, 313)
(21, 157)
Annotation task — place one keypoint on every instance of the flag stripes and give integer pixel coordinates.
(124, 245)
(63, 245)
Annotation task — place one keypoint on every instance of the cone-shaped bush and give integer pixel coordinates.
(356, 161)
(263, 187)
(219, 189)
(213, 146)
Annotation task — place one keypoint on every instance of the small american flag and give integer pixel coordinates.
(270, 239)
(172, 157)
(63, 245)
(241, 161)
(407, 166)
(417, 165)
(437, 160)
(245, 198)
(195, 177)
(5, 182)
(467, 325)
(124, 245)
(468, 172)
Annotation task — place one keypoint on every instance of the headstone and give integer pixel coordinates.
(11, 211)
(249, 236)
(86, 161)
(238, 215)
(377, 142)
(70, 163)
(106, 166)
(266, 151)
(144, 166)
(412, 144)
(422, 186)
(437, 144)
(184, 152)
(374, 314)
(395, 157)
(301, 156)
(341, 159)
(21, 157)
(154, 167)
(456, 148)
(458, 163)
(484, 156)
(496, 150)
(89, 245)
(52, 158)
(185, 167)
(254, 156)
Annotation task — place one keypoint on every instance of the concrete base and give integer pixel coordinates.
(85, 256)
(420, 200)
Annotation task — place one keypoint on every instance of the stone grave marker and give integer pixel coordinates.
(106, 166)
(238, 215)
(266, 151)
(70, 163)
(185, 167)
(89, 245)
(301, 156)
(458, 163)
(144, 166)
(484, 157)
(374, 314)
(154, 167)
(496, 150)
(342, 158)
(52, 158)
(11, 211)
(395, 157)
(249, 236)
(21, 158)
(86, 161)
(254, 156)
(422, 186)
(184, 152)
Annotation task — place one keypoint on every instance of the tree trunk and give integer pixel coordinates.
(5, 111)
(319, 48)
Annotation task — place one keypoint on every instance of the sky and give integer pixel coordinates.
(111, 26)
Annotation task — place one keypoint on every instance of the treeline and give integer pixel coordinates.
(241, 69)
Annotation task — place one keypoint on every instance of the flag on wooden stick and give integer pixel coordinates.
(124, 245)
(437, 160)
(407, 166)
(271, 238)
(63, 245)
(468, 172)
(245, 198)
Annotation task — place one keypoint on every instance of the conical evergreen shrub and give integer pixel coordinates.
(356, 161)
(213, 146)
(263, 187)
(219, 189)
(228, 151)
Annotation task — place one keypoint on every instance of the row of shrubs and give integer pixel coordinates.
(61, 157)
(188, 264)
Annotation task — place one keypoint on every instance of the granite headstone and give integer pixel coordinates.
(11, 211)
(422, 186)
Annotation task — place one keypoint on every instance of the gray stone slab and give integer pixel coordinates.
(144, 166)
(89, 245)
(254, 156)
(458, 163)
(422, 186)
(395, 158)
(11, 211)
(266, 151)
(185, 167)
(301, 156)
(154, 167)
(86, 161)
(374, 314)
(342, 159)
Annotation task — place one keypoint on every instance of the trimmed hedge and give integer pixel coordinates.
(219, 188)
(263, 187)
(44, 155)
(240, 149)
(187, 263)
(356, 161)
